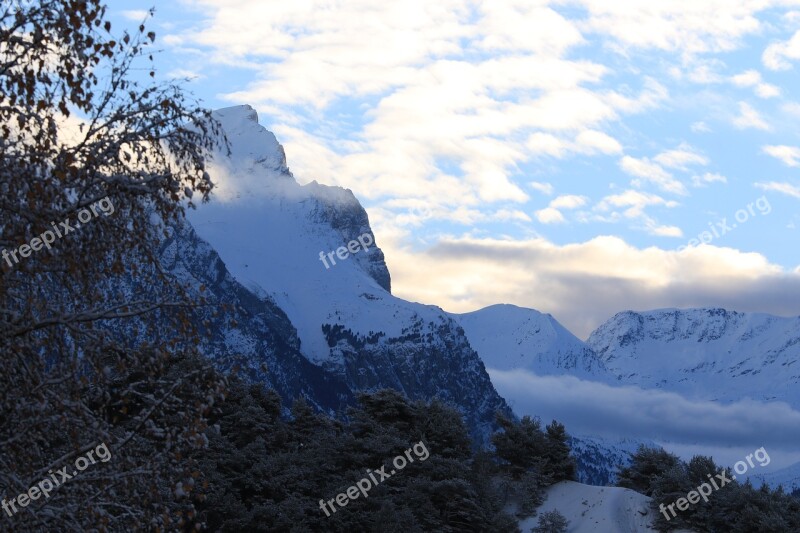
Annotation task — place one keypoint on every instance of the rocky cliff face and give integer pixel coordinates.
(340, 209)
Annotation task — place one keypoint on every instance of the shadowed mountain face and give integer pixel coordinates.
(246, 332)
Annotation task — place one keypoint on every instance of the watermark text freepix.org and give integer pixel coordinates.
(719, 229)
(704, 490)
(46, 486)
(343, 253)
(365, 484)
(61, 230)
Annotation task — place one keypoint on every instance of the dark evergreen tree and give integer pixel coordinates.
(521, 446)
(551, 522)
(266, 473)
(561, 464)
(666, 488)
(647, 464)
(735, 507)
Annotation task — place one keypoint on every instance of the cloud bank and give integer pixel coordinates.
(594, 408)
(584, 284)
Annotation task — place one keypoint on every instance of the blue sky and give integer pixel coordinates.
(554, 155)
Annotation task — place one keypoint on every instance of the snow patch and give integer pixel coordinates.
(591, 509)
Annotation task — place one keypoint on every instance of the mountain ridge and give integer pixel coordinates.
(710, 353)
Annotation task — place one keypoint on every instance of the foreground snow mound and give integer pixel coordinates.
(591, 509)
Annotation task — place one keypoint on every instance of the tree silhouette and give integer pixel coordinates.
(96, 164)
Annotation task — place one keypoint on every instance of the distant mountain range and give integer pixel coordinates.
(704, 353)
(709, 354)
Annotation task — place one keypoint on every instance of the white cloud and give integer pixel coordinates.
(679, 26)
(680, 158)
(549, 215)
(526, 27)
(766, 90)
(448, 115)
(708, 177)
(776, 55)
(511, 214)
(594, 408)
(792, 108)
(569, 201)
(552, 213)
(788, 155)
(664, 231)
(653, 94)
(135, 15)
(653, 172)
(588, 142)
(544, 188)
(700, 127)
(781, 187)
(752, 78)
(706, 73)
(592, 140)
(747, 79)
(546, 144)
(185, 74)
(484, 87)
(466, 215)
(585, 283)
(632, 205)
(749, 118)
(635, 202)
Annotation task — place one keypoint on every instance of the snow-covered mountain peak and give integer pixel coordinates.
(256, 165)
(237, 113)
(508, 337)
(271, 231)
(249, 140)
(307, 291)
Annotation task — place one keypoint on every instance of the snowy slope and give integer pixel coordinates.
(269, 231)
(508, 337)
(704, 353)
(254, 336)
(788, 478)
(591, 509)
